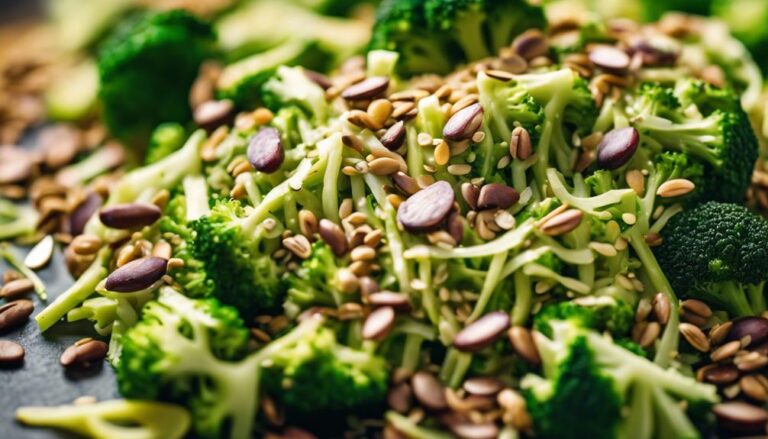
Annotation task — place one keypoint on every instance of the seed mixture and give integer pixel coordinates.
(549, 240)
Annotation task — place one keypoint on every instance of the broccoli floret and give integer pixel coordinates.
(315, 283)
(291, 86)
(317, 376)
(594, 388)
(146, 72)
(705, 123)
(434, 35)
(717, 253)
(166, 139)
(603, 313)
(237, 257)
(184, 351)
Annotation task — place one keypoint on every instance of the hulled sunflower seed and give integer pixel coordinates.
(695, 337)
(675, 188)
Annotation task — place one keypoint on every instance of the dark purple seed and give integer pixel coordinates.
(470, 193)
(463, 124)
(394, 136)
(428, 391)
(318, 78)
(212, 114)
(10, 352)
(468, 430)
(617, 147)
(137, 275)
(722, 374)
(483, 386)
(610, 59)
(400, 398)
(740, 417)
(754, 327)
(481, 332)
(265, 150)
(497, 195)
(378, 323)
(334, 236)
(80, 216)
(130, 216)
(427, 209)
(653, 55)
(366, 89)
(397, 301)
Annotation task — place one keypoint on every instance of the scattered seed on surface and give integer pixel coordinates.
(15, 314)
(130, 216)
(10, 352)
(137, 275)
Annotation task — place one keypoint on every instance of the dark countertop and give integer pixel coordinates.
(40, 380)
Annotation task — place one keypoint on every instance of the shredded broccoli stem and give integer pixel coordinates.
(413, 430)
(428, 298)
(508, 241)
(334, 148)
(196, 194)
(415, 155)
(411, 352)
(523, 297)
(587, 204)
(492, 279)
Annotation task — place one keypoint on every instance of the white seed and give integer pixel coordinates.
(40, 254)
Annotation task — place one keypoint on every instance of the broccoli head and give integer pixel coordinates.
(237, 257)
(594, 388)
(316, 283)
(718, 253)
(434, 35)
(185, 351)
(316, 375)
(705, 123)
(166, 139)
(147, 69)
(603, 313)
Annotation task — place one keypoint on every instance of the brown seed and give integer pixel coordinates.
(562, 223)
(10, 352)
(725, 351)
(83, 212)
(15, 313)
(298, 245)
(129, 216)
(16, 288)
(661, 307)
(523, 344)
(332, 234)
(265, 150)
(455, 227)
(84, 352)
(379, 111)
(695, 337)
(750, 361)
(366, 89)
(210, 115)
(137, 275)
(463, 124)
(650, 334)
(697, 307)
(86, 245)
(718, 332)
(470, 193)
(740, 417)
(428, 391)
(753, 389)
(721, 374)
(393, 138)
(353, 142)
(636, 181)
(397, 301)
(520, 144)
(531, 44)
(307, 223)
(675, 188)
(482, 332)
(427, 209)
(610, 59)
(496, 195)
(16, 165)
(379, 323)
(483, 386)
(400, 398)
(363, 253)
(617, 147)
(384, 166)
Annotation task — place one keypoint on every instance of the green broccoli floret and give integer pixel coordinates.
(717, 253)
(185, 351)
(290, 86)
(315, 283)
(603, 313)
(316, 376)
(237, 257)
(146, 72)
(434, 35)
(166, 139)
(594, 388)
(705, 123)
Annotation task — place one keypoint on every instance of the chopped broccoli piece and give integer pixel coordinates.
(237, 258)
(602, 313)
(315, 283)
(185, 351)
(146, 72)
(73, 95)
(594, 388)
(717, 253)
(166, 139)
(291, 86)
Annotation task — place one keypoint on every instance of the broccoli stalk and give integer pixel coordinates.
(166, 139)
(77, 293)
(37, 283)
(17, 221)
(116, 418)
(101, 161)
